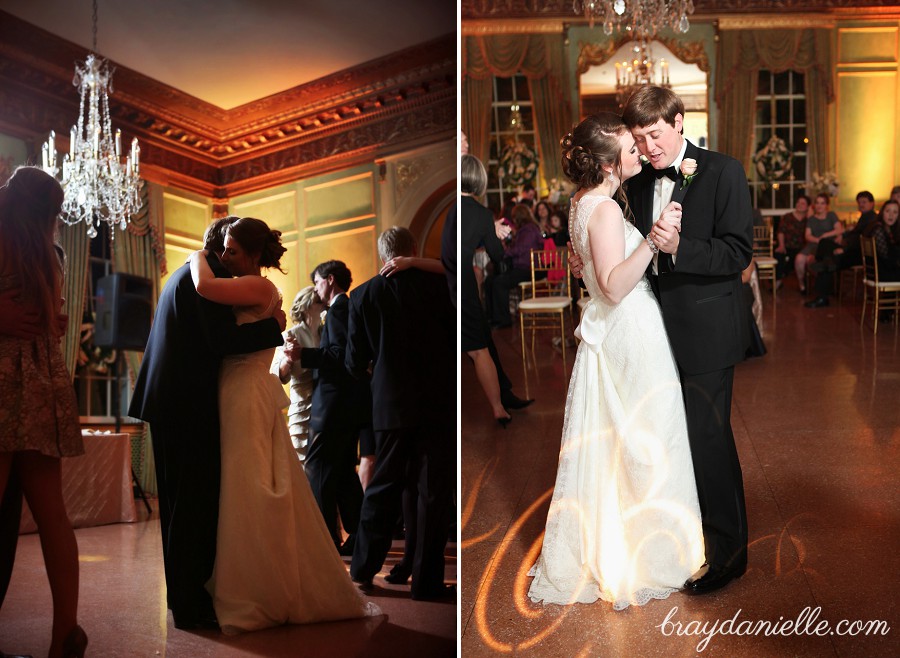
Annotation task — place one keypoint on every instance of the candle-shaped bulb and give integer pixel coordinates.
(118, 143)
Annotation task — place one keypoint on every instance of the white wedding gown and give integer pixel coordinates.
(624, 522)
(275, 560)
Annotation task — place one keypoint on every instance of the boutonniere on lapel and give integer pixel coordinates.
(688, 171)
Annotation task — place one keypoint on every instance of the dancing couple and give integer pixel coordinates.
(649, 494)
(244, 544)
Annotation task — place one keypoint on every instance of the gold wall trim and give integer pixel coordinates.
(477, 28)
(342, 234)
(338, 181)
(775, 21)
(349, 220)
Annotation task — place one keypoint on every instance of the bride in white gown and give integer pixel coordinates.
(624, 521)
(275, 560)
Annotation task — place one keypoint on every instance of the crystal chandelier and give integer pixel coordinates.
(98, 185)
(642, 18)
(640, 71)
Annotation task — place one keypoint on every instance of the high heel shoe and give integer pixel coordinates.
(504, 421)
(75, 643)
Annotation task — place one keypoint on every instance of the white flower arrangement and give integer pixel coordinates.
(558, 189)
(518, 164)
(826, 183)
(774, 159)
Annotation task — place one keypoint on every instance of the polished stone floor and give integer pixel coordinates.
(123, 611)
(817, 425)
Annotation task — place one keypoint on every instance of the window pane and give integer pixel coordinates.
(763, 113)
(765, 199)
(799, 110)
(503, 116)
(527, 118)
(504, 89)
(799, 86)
(783, 196)
(798, 168)
(765, 83)
(523, 93)
(783, 111)
(799, 143)
(782, 83)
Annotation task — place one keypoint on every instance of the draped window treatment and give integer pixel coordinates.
(541, 59)
(742, 54)
(140, 250)
(76, 245)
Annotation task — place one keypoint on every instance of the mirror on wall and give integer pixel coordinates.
(598, 89)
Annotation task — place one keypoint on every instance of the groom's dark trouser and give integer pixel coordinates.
(331, 470)
(423, 462)
(720, 485)
(188, 471)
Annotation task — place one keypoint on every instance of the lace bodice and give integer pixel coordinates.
(579, 214)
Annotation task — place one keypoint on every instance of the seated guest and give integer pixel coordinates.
(789, 237)
(887, 241)
(542, 212)
(848, 254)
(526, 236)
(559, 228)
(823, 235)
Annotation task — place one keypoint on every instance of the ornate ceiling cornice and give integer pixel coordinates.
(562, 9)
(192, 144)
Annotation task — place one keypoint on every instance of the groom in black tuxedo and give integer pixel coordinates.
(697, 278)
(403, 327)
(177, 392)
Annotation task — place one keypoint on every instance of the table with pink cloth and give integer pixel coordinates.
(97, 485)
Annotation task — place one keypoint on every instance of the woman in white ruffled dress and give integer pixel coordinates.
(275, 560)
(624, 521)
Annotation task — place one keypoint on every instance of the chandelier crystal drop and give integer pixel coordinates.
(98, 185)
(641, 18)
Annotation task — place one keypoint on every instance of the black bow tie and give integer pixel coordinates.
(671, 172)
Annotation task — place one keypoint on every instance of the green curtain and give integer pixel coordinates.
(742, 54)
(140, 250)
(76, 245)
(540, 58)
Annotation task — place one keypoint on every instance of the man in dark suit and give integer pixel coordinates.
(697, 279)
(177, 392)
(341, 407)
(403, 328)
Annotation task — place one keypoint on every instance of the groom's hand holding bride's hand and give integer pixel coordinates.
(575, 264)
(665, 232)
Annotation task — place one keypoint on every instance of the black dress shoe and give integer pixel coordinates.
(709, 579)
(512, 401)
(365, 585)
(818, 302)
(399, 574)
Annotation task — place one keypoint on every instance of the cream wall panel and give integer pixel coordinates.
(356, 247)
(278, 210)
(340, 199)
(867, 132)
(867, 45)
(185, 216)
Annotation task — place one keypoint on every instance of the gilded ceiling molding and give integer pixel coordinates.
(471, 10)
(196, 146)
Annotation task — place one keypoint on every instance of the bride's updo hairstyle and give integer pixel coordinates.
(255, 237)
(592, 144)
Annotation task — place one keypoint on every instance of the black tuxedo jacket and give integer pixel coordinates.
(700, 293)
(339, 400)
(405, 326)
(180, 371)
